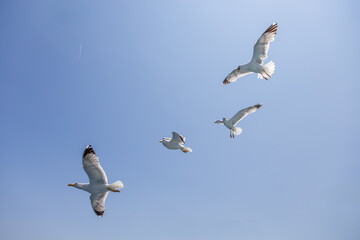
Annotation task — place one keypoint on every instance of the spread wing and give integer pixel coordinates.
(219, 122)
(243, 113)
(177, 138)
(234, 75)
(98, 203)
(92, 167)
(262, 45)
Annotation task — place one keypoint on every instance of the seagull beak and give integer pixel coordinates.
(161, 141)
(71, 185)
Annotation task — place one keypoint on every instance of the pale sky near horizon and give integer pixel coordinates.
(120, 75)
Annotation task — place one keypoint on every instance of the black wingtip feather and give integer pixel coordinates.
(226, 81)
(272, 28)
(88, 150)
(182, 139)
(99, 213)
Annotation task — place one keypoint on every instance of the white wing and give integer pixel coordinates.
(262, 45)
(166, 139)
(243, 113)
(98, 203)
(92, 167)
(177, 138)
(234, 75)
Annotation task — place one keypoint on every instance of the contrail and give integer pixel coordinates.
(80, 51)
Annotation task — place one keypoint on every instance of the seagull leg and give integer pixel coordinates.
(267, 74)
(113, 190)
(184, 151)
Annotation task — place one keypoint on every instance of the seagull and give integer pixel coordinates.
(176, 142)
(230, 124)
(261, 49)
(98, 186)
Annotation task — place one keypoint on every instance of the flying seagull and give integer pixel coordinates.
(98, 186)
(261, 49)
(230, 124)
(176, 142)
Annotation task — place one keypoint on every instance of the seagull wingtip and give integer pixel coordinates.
(88, 150)
(99, 213)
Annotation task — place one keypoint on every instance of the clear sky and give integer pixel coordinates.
(147, 68)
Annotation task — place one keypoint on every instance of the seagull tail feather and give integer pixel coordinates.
(186, 149)
(238, 131)
(115, 185)
(268, 70)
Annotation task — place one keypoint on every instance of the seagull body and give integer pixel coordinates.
(176, 142)
(261, 49)
(231, 123)
(98, 186)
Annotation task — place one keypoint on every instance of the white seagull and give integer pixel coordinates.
(230, 124)
(176, 142)
(261, 49)
(98, 186)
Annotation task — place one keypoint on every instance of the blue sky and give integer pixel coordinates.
(150, 67)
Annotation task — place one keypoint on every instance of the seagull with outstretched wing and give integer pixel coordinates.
(231, 123)
(261, 49)
(98, 185)
(176, 142)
